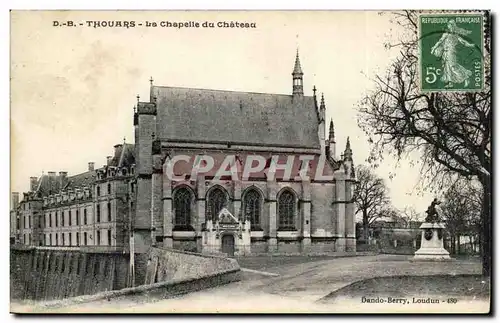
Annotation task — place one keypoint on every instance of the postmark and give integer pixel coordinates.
(451, 49)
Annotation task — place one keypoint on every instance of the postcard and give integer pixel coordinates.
(250, 161)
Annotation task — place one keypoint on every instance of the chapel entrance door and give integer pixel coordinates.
(228, 244)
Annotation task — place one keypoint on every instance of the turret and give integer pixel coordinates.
(322, 109)
(321, 126)
(347, 159)
(145, 125)
(151, 91)
(348, 151)
(331, 142)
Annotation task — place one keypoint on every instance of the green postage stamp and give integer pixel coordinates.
(451, 52)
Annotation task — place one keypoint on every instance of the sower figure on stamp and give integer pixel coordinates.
(446, 48)
(434, 212)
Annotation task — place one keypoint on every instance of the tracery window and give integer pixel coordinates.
(252, 207)
(217, 200)
(286, 210)
(182, 208)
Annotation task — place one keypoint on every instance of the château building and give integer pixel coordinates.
(89, 209)
(152, 193)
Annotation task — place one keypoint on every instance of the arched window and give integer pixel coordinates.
(182, 208)
(252, 202)
(286, 210)
(216, 201)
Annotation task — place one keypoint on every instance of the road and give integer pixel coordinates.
(296, 288)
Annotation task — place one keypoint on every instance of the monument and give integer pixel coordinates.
(432, 246)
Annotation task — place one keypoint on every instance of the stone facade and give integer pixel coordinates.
(88, 209)
(201, 211)
(185, 213)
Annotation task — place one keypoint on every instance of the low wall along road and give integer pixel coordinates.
(55, 274)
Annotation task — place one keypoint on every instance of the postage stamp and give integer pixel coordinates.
(451, 52)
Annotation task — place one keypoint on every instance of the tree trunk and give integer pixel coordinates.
(486, 231)
(458, 243)
(365, 226)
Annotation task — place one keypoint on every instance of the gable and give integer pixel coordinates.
(226, 217)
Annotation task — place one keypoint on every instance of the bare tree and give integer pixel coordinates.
(461, 207)
(409, 215)
(451, 131)
(370, 197)
(389, 211)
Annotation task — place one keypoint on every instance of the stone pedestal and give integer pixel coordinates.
(432, 247)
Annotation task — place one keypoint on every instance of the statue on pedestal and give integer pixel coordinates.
(434, 212)
(432, 246)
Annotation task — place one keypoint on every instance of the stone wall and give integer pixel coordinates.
(161, 290)
(289, 247)
(169, 264)
(162, 273)
(49, 273)
(185, 245)
(323, 218)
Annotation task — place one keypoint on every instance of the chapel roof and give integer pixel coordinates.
(201, 115)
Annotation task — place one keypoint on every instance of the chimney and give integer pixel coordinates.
(63, 179)
(15, 200)
(33, 183)
(108, 160)
(91, 166)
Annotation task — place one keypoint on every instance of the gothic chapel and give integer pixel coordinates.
(240, 216)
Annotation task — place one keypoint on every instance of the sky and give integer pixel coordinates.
(73, 88)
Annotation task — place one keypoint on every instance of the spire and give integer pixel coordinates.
(332, 132)
(297, 74)
(322, 104)
(151, 80)
(297, 69)
(348, 151)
